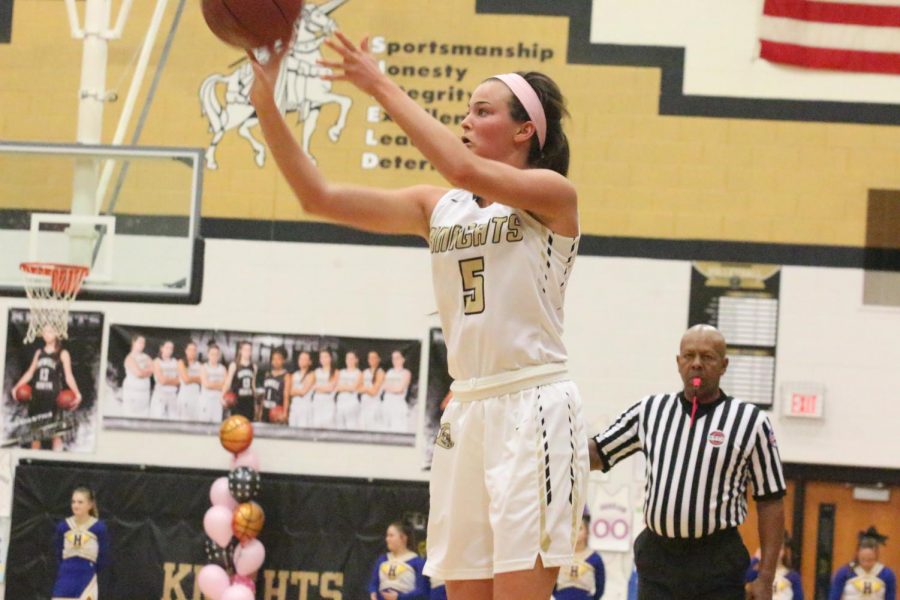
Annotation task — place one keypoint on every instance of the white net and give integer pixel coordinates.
(51, 288)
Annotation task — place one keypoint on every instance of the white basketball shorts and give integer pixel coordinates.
(508, 483)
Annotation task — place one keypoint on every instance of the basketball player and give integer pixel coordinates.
(51, 364)
(370, 394)
(503, 243)
(302, 381)
(212, 384)
(136, 387)
(323, 392)
(394, 409)
(276, 387)
(165, 388)
(241, 380)
(349, 381)
(188, 402)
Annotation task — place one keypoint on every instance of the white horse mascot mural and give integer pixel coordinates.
(300, 88)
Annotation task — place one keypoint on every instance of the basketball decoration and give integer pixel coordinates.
(66, 400)
(229, 399)
(236, 433)
(276, 414)
(248, 521)
(251, 23)
(243, 483)
(23, 393)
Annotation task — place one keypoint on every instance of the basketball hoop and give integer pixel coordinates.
(51, 288)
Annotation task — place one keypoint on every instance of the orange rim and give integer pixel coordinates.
(64, 279)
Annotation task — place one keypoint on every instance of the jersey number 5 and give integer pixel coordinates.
(472, 271)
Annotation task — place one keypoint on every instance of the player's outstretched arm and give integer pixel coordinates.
(66, 360)
(544, 193)
(405, 211)
(27, 375)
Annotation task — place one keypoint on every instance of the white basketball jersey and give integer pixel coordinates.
(395, 378)
(499, 279)
(297, 378)
(193, 370)
(348, 377)
(215, 375)
(169, 369)
(323, 377)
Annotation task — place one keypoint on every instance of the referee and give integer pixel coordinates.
(703, 448)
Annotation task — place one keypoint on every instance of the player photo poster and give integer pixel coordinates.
(290, 385)
(438, 395)
(44, 380)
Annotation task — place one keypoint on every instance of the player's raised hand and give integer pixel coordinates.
(265, 75)
(357, 65)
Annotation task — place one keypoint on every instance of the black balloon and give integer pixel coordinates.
(243, 483)
(217, 555)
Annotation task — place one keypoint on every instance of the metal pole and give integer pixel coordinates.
(130, 100)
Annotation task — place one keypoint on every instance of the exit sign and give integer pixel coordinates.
(802, 400)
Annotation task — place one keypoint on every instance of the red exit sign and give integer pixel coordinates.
(805, 401)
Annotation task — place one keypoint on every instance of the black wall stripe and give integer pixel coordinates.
(6, 13)
(672, 100)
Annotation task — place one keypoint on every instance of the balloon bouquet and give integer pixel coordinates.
(234, 520)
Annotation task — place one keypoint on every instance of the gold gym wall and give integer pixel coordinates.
(638, 173)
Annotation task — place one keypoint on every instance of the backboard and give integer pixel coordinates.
(132, 214)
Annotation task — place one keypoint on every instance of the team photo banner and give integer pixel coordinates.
(50, 385)
(293, 386)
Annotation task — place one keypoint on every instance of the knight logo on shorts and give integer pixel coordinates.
(443, 437)
(716, 438)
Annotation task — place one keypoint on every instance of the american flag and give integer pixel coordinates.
(845, 35)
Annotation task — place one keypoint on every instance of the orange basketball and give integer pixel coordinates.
(66, 399)
(229, 399)
(276, 414)
(236, 433)
(23, 393)
(251, 23)
(248, 521)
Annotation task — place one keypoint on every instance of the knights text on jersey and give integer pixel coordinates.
(499, 279)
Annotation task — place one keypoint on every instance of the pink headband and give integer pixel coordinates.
(522, 90)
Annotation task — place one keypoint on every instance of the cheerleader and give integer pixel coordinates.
(865, 578)
(370, 394)
(188, 402)
(82, 548)
(212, 384)
(348, 385)
(323, 394)
(395, 411)
(276, 387)
(786, 585)
(584, 578)
(438, 589)
(52, 364)
(165, 388)
(398, 573)
(302, 381)
(241, 380)
(136, 387)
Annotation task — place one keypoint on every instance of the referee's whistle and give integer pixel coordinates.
(696, 381)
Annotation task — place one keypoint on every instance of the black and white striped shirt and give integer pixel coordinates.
(697, 475)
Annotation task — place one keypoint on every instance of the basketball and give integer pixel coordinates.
(66, 399)
(248, 521)
(276, 414)
(236, 433)
(251, 23)
(23, 393)
(229, 399)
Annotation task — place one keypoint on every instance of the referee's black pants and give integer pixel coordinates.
(713, 567)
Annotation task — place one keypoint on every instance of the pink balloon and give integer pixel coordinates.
(219, 495)
(247, 458)
(213, 581)
(244, 580)
(217, 524)
(249, 557)
(238, 592)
